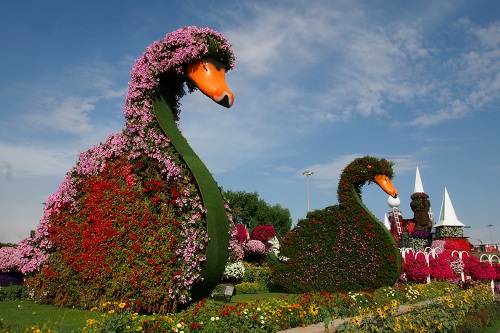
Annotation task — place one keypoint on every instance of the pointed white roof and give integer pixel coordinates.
(447, 216)
(419, 188)
(386, 222)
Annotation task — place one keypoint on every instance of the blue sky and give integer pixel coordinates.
(316, 84)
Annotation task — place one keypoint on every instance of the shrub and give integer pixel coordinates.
(234, 271)
(10, 259)
(12, 293)
(241, 233)
(416, 269)
(263, 233)
(254, 248)
(9, 278)
(478, 270)
(249, 287)
(256, 273)
(440, 267)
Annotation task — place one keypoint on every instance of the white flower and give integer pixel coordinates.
(234, 270)
(276, 245)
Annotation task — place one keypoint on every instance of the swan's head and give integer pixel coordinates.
(371, 169)
(208, 75)
(381, 173)
(386, 184)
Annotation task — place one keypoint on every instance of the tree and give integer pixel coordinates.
(251, 211)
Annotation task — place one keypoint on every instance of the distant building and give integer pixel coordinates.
(449, 228)
(418, 233)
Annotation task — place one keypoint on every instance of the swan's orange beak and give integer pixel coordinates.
(209, 76)
(386, 184)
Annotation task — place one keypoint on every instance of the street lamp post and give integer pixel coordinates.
(307, 174)
(491, 236)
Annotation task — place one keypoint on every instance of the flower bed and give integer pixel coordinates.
(447, 307)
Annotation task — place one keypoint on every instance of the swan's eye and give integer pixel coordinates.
(206, 68)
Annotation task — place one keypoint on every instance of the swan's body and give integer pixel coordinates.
(342, 247)
(133, 218)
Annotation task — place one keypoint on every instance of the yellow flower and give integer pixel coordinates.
(111, 311)
(122, 305)
(138, 329)
(91, 321)
(313, 310)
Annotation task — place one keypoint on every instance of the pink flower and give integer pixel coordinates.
(255, 247)
(10, 259)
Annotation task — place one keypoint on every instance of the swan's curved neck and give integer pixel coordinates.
(216, 216)
(349, 195)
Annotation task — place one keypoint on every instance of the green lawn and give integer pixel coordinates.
(240, 298)
(494, 328)
(23, 315)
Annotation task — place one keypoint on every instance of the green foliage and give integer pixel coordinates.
(251, 288)
(251, 211)
(256, 272)
(343, 247)
(13, 292)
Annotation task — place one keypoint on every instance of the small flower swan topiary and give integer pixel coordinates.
(140, 218)
(342, 247)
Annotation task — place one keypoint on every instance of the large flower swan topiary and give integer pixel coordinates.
(140, 217)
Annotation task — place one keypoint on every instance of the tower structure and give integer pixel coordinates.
(449, 228)
(420, 226)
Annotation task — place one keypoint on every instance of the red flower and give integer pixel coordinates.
(263, 233)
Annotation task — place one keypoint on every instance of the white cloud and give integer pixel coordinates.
(18, 161)
(69, 115)
(66, 105)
